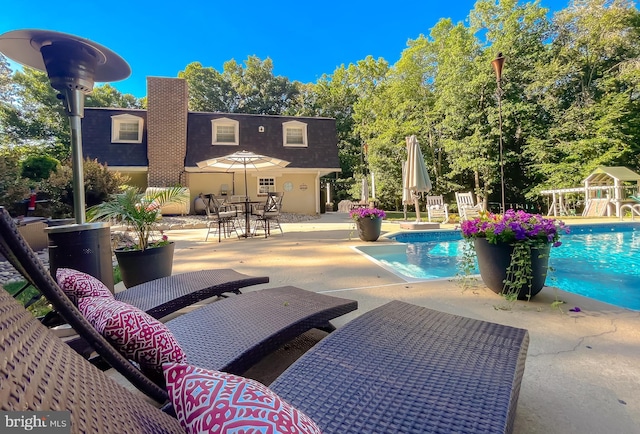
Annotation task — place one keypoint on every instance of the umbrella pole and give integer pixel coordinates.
(246, 188)
(417, 205)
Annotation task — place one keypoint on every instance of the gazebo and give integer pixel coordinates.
(604, 188)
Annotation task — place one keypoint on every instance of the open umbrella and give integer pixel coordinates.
(415, 177)
(243, 160)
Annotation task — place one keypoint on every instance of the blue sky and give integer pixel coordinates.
(304, 39)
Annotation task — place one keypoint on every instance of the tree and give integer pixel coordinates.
(12, 188)
(249, 89)
(36, 116)
(38, 167)
(519, 31)
(208, 90)
(589, 92)
(108, 96)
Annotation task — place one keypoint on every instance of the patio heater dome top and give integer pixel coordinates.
(70, 61)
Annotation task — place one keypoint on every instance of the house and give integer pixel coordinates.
(160, 146)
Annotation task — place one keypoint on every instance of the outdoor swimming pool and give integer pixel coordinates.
(597, 261)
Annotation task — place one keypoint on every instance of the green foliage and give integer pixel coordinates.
(249, 89)
(569, 101)
(39, 308)
(38, 167)
(99, 183)
(108, 96)
(12, 187)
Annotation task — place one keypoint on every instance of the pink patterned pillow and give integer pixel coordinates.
(216, 402)
(137, 335)
(77, 285)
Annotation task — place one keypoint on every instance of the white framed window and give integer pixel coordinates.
(294, 133)
(126, 128)
(225, 131)
(266, 185)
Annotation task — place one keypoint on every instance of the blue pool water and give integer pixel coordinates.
(598, 261)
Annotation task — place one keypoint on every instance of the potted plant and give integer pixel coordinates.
(513, 250)
(368, 221)
(150, 256)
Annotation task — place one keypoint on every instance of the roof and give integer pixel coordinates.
(322, 151)
(602, 174)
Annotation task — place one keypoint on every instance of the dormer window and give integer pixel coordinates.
(294, 133)
(126, 128)
(224, 131)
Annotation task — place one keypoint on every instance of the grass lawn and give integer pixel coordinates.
(39, 308)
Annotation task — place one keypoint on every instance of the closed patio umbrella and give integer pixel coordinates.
(364, 191)
(415, 177)
(244, 160)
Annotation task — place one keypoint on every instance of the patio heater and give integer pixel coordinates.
(73, 64)
(497, 65)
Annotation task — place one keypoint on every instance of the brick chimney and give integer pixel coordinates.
(167, 107)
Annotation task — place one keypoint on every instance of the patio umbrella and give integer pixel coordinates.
(415, 177)
(243, 160)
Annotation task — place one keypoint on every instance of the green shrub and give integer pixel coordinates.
(99, 183)
(13, 189)
(38, 167)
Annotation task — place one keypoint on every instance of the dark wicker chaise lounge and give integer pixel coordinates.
(399, 368)
(158, 298)
(229, 335)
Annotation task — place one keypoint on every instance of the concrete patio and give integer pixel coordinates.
(583, 369)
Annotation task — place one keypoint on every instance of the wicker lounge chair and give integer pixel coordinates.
(158, 298)
(230, 335)
(397, 368)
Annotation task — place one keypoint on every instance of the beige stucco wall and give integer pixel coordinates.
(137, 179)
(300, 200)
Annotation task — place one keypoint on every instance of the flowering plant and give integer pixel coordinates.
(514, 227)
(140, 212)
(528, 234)
(362, 213)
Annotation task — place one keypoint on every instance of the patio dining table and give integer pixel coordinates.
(248, 207)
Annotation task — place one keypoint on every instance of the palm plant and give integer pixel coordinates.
(139, 211)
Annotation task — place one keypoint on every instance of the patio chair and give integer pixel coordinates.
(159, 297)
(223, 216)
(436, 208)
(397, 368)
(466, 209)
(269, 213)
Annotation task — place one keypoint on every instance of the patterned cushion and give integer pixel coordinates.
(137, 335)
(216, 402)
(78, 285)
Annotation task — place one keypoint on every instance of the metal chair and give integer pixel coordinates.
(221, 216)
(269, 214)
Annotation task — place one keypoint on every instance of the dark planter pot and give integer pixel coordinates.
(139, 266)
(369, 229)
(494, 259)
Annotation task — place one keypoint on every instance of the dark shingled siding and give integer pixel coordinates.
(96, 139)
